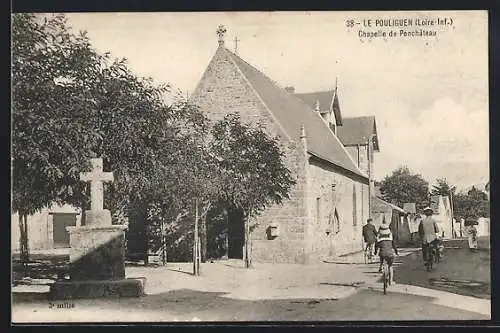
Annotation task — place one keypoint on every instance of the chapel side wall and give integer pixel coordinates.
(348, 239)
(365, 203)
(360, 155)
(223, 90)
(290, 217)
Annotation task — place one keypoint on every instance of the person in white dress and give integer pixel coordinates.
(413, 224)
(472, 234)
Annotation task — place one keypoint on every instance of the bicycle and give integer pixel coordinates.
(368, 252)
(385, 275)
(431, 256)
(436, 253)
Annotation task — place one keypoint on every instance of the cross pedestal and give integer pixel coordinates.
(97, 253)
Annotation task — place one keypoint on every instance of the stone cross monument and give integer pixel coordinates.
(97, 215)
(96, 178)
(97, 254)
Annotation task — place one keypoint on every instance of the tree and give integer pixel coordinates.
(71, 103)
(471, 205)
(253, 171)
(443, 188)
(48, 146)
(239, 168)
(403, 186)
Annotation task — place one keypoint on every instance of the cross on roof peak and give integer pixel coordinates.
(221, 31)
(236, 40)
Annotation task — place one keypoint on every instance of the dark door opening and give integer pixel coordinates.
(60, 234)
(236, 234)
(137, 235)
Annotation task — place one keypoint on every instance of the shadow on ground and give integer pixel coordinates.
(460, 271)
(186, 304)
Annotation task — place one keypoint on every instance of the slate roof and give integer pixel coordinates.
(435, 199)
(410, 207)
(379, 204)
(327, 100)
(291, 113)
(357, 130)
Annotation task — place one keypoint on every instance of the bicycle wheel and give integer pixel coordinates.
(384, 279)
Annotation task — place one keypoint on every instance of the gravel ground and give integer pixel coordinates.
(225, 292)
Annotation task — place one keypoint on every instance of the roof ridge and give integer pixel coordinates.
(315, 92)
(289, 137)
(353, 167)
(253, 67)
(358, 117)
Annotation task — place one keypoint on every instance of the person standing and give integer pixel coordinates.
(456, 228)
(369, 236)
(462, 227)
(413, 224)
(428, 231)
(472, 234)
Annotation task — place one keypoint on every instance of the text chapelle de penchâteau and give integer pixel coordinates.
(402, 23)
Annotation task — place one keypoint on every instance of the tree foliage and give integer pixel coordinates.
(443, 187)
(47, 143)
(403, 186)
(471, 205)
(240, 167)
(253, 171)
(71, 103)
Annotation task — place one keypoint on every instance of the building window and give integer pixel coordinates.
(336, 221)
(318, 210)
(362, 205)
(354, 206)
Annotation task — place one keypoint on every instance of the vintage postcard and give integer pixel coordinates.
(250, 166)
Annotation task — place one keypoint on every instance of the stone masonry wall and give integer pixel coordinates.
(223, 90)
(38, 231)
(331, 239)
(40, 228)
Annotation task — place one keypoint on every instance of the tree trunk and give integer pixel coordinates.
(196, 243)
(246, 249)
(23, 240)
(82, 220)
(226, 239)
(163, 243)
(204, 238)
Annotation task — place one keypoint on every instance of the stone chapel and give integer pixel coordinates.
(329, 202)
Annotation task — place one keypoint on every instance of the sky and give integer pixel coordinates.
(429, 94)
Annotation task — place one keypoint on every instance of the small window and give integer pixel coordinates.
(318, 210)
(336, 221)
(354, 206)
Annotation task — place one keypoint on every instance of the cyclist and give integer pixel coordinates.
(370, 236)
(428, 231)
(386, 249)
